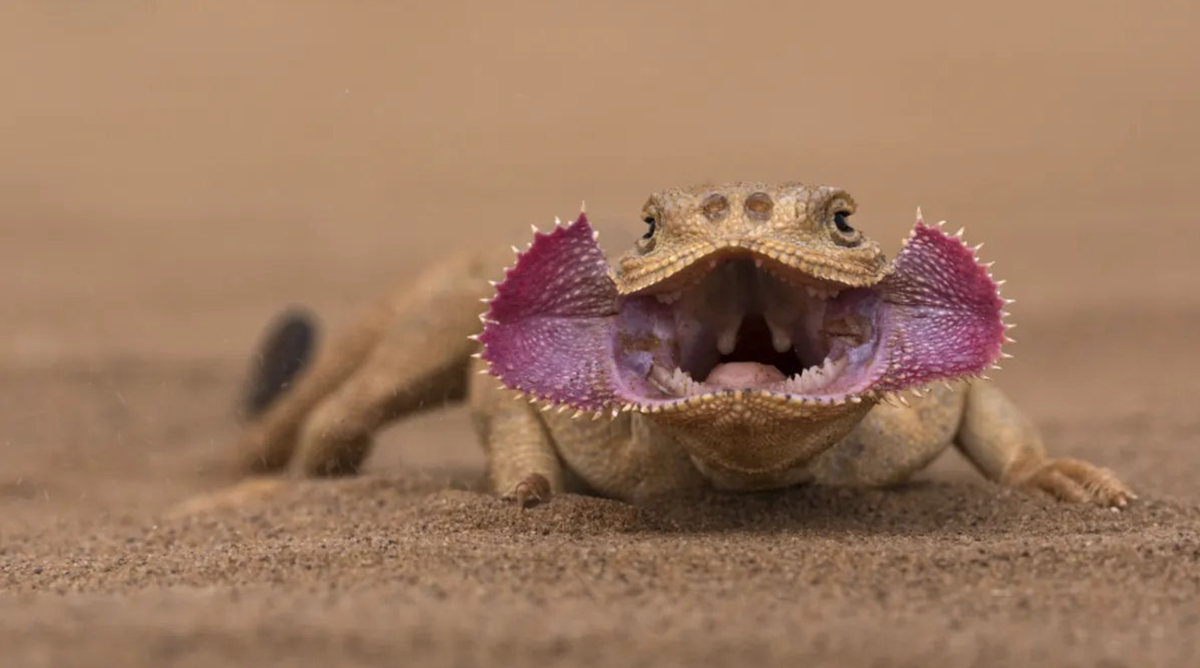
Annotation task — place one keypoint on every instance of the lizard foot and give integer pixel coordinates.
(532, 490)
(1077, 481)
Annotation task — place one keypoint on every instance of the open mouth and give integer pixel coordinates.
(742, 324)
(750, 323)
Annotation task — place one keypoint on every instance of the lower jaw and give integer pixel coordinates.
(751, 376)
(842, 378)
(756, 432)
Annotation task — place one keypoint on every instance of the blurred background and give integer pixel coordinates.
(174, 172)
(171, 173)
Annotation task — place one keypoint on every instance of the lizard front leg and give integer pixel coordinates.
(624, 457)
(1006, 447)
(521, 461)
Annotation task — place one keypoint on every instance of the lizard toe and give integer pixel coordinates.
(1077, 481)
(530, 491)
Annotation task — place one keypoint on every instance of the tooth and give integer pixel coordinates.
(683, 382)
(727, 340)
(780, 338)
(811, 379)
(662, 378)
(796, 383)
(800, 383)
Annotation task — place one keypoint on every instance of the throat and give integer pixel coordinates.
(754, 349)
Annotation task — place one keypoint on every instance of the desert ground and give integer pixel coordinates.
(173, 173)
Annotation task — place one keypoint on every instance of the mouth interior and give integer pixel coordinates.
(748, 325)
(754, 347)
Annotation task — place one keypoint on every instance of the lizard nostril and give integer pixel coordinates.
(715, 207)
(759, 206)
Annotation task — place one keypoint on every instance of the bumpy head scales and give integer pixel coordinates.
(801, 229)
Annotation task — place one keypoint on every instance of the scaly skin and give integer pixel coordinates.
(412, 351)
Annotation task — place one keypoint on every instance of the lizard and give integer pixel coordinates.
(751, 339)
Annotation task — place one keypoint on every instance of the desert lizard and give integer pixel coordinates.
(753, 338)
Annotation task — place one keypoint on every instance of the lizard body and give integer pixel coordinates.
(753, 339)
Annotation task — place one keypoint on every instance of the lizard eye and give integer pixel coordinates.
(839, 219)
(649, 220)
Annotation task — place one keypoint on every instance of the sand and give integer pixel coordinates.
(171, 174)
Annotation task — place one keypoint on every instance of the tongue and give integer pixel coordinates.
(737, 375)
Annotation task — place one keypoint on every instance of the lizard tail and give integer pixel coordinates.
(286, 349)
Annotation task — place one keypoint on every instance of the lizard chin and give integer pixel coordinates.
(749, 342)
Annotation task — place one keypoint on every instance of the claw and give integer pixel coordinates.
(532, 490)
(1077, 481)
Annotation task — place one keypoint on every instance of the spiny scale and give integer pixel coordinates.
(999, 284)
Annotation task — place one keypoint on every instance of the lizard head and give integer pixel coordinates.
(753, 322)
(801, 234)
